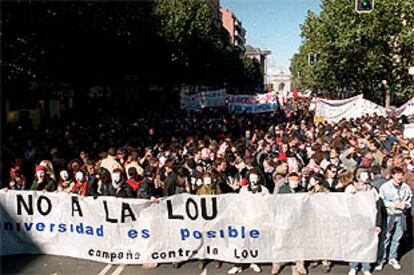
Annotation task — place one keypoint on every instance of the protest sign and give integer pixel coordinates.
(355, 107)
(234, 227)
(207, 99)
(258, 103)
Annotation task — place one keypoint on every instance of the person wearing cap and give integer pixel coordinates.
(42, 182)
(361, 184)
(397, 198)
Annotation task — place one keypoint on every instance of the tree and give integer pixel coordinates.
(356, 52)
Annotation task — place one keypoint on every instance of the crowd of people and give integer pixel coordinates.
(214, 152)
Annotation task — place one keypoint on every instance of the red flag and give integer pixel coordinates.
(295, 92)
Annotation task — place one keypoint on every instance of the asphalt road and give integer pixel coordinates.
(53, 265)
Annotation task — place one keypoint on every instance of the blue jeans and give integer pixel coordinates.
(394, 233)
(365, 266)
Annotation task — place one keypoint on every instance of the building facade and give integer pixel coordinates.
(282, 83)
(235, 29)
(260, 55)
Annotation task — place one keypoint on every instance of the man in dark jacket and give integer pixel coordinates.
(119, 187)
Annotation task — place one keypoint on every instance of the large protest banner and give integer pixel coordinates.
(258, 103)
(354, 107)
(234, 228)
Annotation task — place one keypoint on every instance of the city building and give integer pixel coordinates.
(260, 55)
(235, 29)
(281, 83)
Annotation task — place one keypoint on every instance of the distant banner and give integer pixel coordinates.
(335, 110)
(202, 100)
(259, 103)
(233, 228)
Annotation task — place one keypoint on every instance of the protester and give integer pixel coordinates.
(17, 181)
(397, 198)
(316, 186)
(42, 181)
(361, 184)
(171, 152)
(255, 185)
(81, 185)
(65, 183)
(292, 186)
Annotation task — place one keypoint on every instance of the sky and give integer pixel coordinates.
(273, 25)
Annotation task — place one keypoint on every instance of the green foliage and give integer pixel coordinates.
(356, 52)
(165, 42)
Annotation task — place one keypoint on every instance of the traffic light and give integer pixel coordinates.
(312, 59)
(364, 6)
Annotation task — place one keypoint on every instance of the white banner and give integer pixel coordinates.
(202, 100)
(409, 130)
(258, 103)
(407, 109)
(335, 110)
(232, 228)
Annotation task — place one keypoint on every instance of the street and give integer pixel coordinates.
(44, 264)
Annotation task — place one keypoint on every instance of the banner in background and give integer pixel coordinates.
(233, 228)
(202, 100)
(335, 110)
(258, 103)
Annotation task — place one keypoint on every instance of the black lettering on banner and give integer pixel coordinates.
(171, 216)
(107, 218)
(76, 206)
(28, 207)
(39, 205)
(204, 209)
(90, 252)
(127, 212)
(187, 209)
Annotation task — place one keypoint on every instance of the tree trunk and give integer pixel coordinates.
(387, 96)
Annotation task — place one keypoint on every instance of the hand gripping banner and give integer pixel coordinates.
(232, 228)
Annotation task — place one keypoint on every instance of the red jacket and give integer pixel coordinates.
(80, 188)
(134, 184)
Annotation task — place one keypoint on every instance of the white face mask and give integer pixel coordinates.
(79, 176)
(116, 177)
(40, 174)
(254, 179)
(364, 177)
(207, 181)
(64, 175)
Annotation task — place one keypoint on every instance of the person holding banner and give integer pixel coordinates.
(208, 187)
(316, 186)
(42, 181)
(65, 183)
(291, 187)
(362, 185)
(255, 185)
